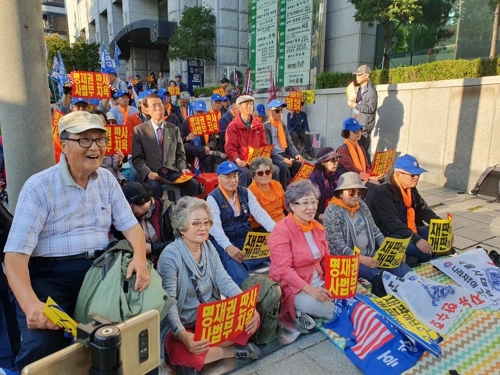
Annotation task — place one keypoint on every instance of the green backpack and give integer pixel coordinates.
(268, 306)
(106, 292)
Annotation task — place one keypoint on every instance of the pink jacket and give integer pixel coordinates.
(292, 262)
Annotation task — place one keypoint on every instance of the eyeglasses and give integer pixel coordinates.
(411, 174)
(87, 142)
(277, 111)
(111, 122)
(358, 192)
(205, 224)
(230, 176)
(262, 173)
(305, 204)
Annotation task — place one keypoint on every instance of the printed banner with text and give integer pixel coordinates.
(256, 245)
(90, 85)
(59, 317)
(174, 90)
(341, 275)
(294, 101)
(440, 234)
(383, 162)
(203, 124)
(224, 320)
(118, 139)
(264, 151)
(303, 173)
(391, 252)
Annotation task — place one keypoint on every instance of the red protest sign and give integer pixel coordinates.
(303, 173)
(224, 320)
(341, 275)
(383, 162)
(204, 124)
(264, 151)
(183, 178)
(90, 85)
(294, 101)
(118, 139)
(56, 115)
(174, 90)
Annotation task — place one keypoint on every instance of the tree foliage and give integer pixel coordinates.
(194, 36)
(78, 56)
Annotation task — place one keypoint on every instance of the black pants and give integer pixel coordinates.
(364, 142)
(190, 188)
(297, 134)
(284, 168)
(207, 162)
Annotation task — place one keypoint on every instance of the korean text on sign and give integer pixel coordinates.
(256, 245)
(224, 320)
(56, 115)
(391, 252)
(440, 234)
(264, 151)
(294, 101)
(90, 85)
(118, 139)
(204, 124)
(59, 317)
(174, 90)
(341, 277)
(304, 172)
(221, 91)
(383, 162)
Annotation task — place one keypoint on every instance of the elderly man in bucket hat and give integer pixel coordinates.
(61, 224)
(399, 210)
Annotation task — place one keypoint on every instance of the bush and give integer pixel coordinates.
(205, 91)
(328, 80)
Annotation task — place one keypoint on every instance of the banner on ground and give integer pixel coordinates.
(303, 173)
(118, 139)
(174, 90)
(90, 85)
(204, 124)
(440, 235)
(294, 101)
(59, 317)
(264, 151)
(391, 252)
(475, 272)
(224, 320)
(383, 162)
(341, 275)
(256, 245)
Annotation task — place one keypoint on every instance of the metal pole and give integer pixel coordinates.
(24, 102)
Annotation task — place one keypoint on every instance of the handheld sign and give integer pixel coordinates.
(224, 320)
(391, 252)
(174, 90)
(256, 245)
(90, 85)
(303, 173)
(294, 101)
(264, 151)
(56, 115)
(183, 178)
(351, 92)
(119, 139)
(308, 96)
(221, 91)
(440, 234)
(59, 317)
(383, 162)
(341, 275)
(204, 124)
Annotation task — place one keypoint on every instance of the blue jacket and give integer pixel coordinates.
(299, 121)
(223, 124)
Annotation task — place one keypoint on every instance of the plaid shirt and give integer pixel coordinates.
(55, 217)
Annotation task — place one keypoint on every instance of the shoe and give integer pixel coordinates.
(222, 156)
(309, 156)
(304, 322)
(249, 351)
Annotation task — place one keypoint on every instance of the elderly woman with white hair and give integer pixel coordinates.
(192, 272)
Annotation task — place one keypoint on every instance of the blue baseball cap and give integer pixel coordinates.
(79, 100)
(225, 98)
(408, 164)
(261, 110)
(110, 71)
(216, 97)
(199, 106)
(94, 101)
(163, 92)
(351, 124)
(276, 104)
(227, 167)
(120, 93)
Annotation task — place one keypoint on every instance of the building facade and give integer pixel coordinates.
(54, 17)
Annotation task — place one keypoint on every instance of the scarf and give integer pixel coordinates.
(237, 203)
(410, 211)
(340, 202)
(281, 133)
(184, 112)
(310, 226)
(357, 156)
(124, 113)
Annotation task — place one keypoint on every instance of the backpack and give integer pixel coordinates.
(268, 306)
(106, 292)
(488, 184)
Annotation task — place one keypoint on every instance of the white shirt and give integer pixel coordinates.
(317, 281)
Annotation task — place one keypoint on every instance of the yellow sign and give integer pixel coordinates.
(256, 245)
(59, 317)
(391, 252)
(356, 251)
(440, 234)
(264, 151)
(308, 96)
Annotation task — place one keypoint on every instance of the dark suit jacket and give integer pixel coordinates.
(146, 155)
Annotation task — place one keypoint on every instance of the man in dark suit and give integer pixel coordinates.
(158, 153)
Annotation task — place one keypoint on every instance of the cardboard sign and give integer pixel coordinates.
(221, 91)
(294, 101)
(59, 317)
(391, 252)
(264, 151)
(256, 245)
(90, 85)
(303, 173)
(224, 320)
(440, 234)
(183, 178)
(203, 124)
(118, 139)
(351, 92)
(174, 90)
(308, 96)
(383, 162)
(341, 275)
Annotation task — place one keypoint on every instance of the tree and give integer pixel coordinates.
(494, 34)
(54, 44)
(194, 36)
(78, 56)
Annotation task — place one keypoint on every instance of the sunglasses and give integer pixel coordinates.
(262, 173)
(278, 110)
(410, 174)
(358, 192)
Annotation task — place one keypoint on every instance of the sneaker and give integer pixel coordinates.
(222, 156)
(304, 322)
(249, 351)
(309, 156)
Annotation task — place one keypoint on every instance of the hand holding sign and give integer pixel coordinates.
(440, 235)
(341, 275)
(59, 317)
(256, 245)
(391, 252)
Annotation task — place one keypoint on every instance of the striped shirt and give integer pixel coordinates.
(55, 217)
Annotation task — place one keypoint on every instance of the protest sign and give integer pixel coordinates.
(90, 85)
(256, 245)
(308, 96)
(183, 178)
(294, 101)
(174, 90)
(303, 173)
(203, 124)
(264, 151)
(341, 275)
(351, 91)
(224, 320)
(59, 317)
(221, 91)
(383, 162)
(440, 234)
(56, 115)
(119, 139)
(391, 252)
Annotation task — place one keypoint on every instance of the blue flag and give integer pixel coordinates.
(106, 61)
(118, 53)
(55, 74)
(63, 76)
